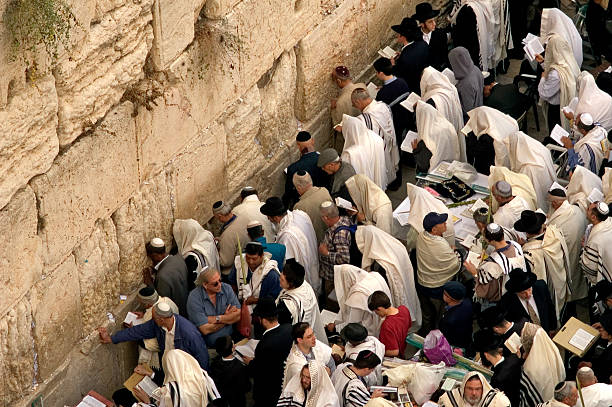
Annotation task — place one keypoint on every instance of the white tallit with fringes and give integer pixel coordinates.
(436, 86)
(438, 134)
(321, 393)
(487, 27)
(555, 21)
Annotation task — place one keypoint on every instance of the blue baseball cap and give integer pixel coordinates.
(432, 219)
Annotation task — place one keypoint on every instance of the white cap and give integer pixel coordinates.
(493, 227)
(603, 208)
(253, 224)
(326, 204)
(586, 119)
(162, 309)
(157, 242)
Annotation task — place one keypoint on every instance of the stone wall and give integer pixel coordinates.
(158, 109)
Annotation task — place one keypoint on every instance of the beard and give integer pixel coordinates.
(472, 402)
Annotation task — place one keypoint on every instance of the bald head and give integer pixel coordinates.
(586, 377)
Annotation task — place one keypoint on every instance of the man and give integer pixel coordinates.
(295, 231)
(213, 307)
(482, 219)
(474, 391)
(436, 39)
(437, 263)
(356, 340)
(494, 318)
(596, 259)
(308, 163)
(330, 162)
(168, 274)
(233, 230)
(395, 326)
(547, 255)
(171, 331)
(348, 381)
(566, 394)
(311, 198)
(505, 98)
(587, 151)
(456, 322)
(230, 375)
(506, 369)
(527, 297)
(342, 104)
(267, 366)
(414, 55)
(393, 91)
(249, 209)
(593, 394)
(510, 206)
(276, 250)
(377, 117)
(297, 302)
(305, 348)
(599, 357)
(335, 249)
(312, 387)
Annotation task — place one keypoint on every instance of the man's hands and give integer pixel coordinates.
(470, 268)
(104, 336)
(333, 103)
(377, 393)
(147, 275)
(539, 58)
(143, 370)
(414, 143)
(251, 300)
(567, 143)
(323, 249)
(141, 395)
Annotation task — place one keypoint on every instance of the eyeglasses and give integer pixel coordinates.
(215, 284)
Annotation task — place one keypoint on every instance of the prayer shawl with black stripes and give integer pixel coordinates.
(490, 396)
(321, 393)
(596, 258)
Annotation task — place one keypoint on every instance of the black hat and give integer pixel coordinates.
(606, 321)
(558, 192)
(408, 28)
(486, 339)
(530, 222)
(273, 207)
(303, 136)
(354, 332)
(424, 12)
(455, 290)
(489, 79)
(432, 219)
(265, 308)
(491, 317)
(603, 290)
(520, 281)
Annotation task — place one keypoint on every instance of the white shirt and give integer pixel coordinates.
(427, 37)
(268, 330)
(550, 88)
(531, 302)
(407, 45)
(162, 260)
(499, 361)
(596, 395)
(170, 336)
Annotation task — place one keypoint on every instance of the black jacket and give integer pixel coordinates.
(518, 328)
(507, 376)
(411, 62)
(171, 280)
(401, 117)
(507, 99)
(232, 380)
(546, 310)
(438, 50)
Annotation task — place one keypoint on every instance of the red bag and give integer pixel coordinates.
(244, 325)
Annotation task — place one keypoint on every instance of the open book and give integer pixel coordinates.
(372, 90)
(557, 133)
(131, 318)
(407, 143)
(409, 102)
(387, 52)
(532, 46)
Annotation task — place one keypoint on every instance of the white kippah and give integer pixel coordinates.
(586, 119)
(326, 204)
(493, 227)
(253, 224)
(603, 208)
(163, 306)
(485, 74)
(157, 242)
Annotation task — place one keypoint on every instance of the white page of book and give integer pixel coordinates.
(402, 212)
(556, 185)
(410, 101)
(595, 195)
(147, 385)
(372, 90)
(407, 143)
(343, 203)
(581, 339)
(248, 349)
(131, 318)
(558, 132)
(328, 317)
(89, 401)
(387, 52)
(513, 343)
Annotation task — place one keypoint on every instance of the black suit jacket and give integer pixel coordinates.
(438, 50)
(546, 310)
(507, 99)
(401, 117)
(267, 368)
(411, 62)
(601, 358)
(507, 376)
(171, 280)
(308, 163)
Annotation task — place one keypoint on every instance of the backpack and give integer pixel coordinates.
(355, 253)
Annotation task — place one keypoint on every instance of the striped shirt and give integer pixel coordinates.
(352, 392)
(339, 247)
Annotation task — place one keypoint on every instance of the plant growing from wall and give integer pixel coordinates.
(37, 24)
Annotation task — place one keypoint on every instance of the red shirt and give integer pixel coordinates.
(394, 330)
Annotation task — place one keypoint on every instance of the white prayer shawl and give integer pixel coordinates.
(606, 181)
(521, 186)
(189, 236)
(490, 396)
(438, 134)
(544, 365)
(596, 395)
(580, 186)
(296, 360)
(372, 344)
(509, 213)
(436, 86)
(554, 21)
(303, 305)
(593, 139)
(378, 116)
(498, 265)
(487, 26)
(353, 287)
(421, 203)
(371, 201)
(253, 287)
(250, 208)
(530, 157)
(486, 120)
(321, 393)
(391, 254)
(596, 258)
(364, 150)
(296, 232)
(571, 222)
(594, 101)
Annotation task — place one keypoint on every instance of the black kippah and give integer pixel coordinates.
(217, 204)
(146, 291)
(303, 136)
(558, 192)
(301, 173)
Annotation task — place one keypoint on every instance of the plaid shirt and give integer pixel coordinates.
(339, 246)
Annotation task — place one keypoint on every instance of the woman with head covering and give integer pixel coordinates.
(364, 150)
(554, 21)
(196, 245)
(436, 88)
(371, 202)
(470, 81)
(311, 388)
(593, 100)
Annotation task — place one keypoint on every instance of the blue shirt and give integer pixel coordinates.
(270, 286)
(277, 251)
(200, 307)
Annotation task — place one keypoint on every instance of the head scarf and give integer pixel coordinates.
(554, 21)
(438, 134)
(364, 150)
(190, 235)
(421, 203)
(470, 81)
(436, 86)
(593, 100)
(322, 392)
(486, 386)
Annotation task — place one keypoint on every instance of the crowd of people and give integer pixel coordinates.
(280, 267)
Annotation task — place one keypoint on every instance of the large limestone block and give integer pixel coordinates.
(381, 15)
(56, 309)
(29, 140)
(97, 262)
(147, 214)
(95, 74)
(215, 9)
(16, 353)
(89, 181)
(173, 30)
(20, 247)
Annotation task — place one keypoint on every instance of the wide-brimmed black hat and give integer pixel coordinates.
(354, 332)
(424, 12)
(530, 222)
(603, 290)
(265, 308)
(520, 281)
(408, 27)
(273, 207)
(491, 317)
(486, 339)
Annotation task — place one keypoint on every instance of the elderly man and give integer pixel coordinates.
(171, 331)
(437, 263)
(566, 394)
(213, 307)
(332, 164)
(312, 387)
(510, 206)
(342, 104)
(311, 198)
(587, 151)
(295, 231)
(233, 230)
(305, 348)
(308, 163)
(474, 391)
(276, 250)
(168, 274)
(596, 260)
(593, 394)
(249, 208)
(414, 54)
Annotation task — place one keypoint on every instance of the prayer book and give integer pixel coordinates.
(556, 185)
(372, 90)
(469, 241)
(248, 349)
(448, 384)
(595, 195)
(387, 52)
(581, 339)
(389, 393)
(147, 385)
(343, 203)
(328, 317)
(605, 146)
(532, 46)
(576, 336)
(469, 212)
(337, 350)
(131, 318)
(473, 258)
(409, 102)
(407, 143)
(402, 212)
(558, 132)
(450, 75)
(89, 401)
(513, 343)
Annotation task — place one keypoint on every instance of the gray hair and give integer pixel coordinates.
(503, 189)
(329, 209)
(224, 209)
(205, 276)
(586, 376)
(360, 94)
(563, 390)
(302, 181)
